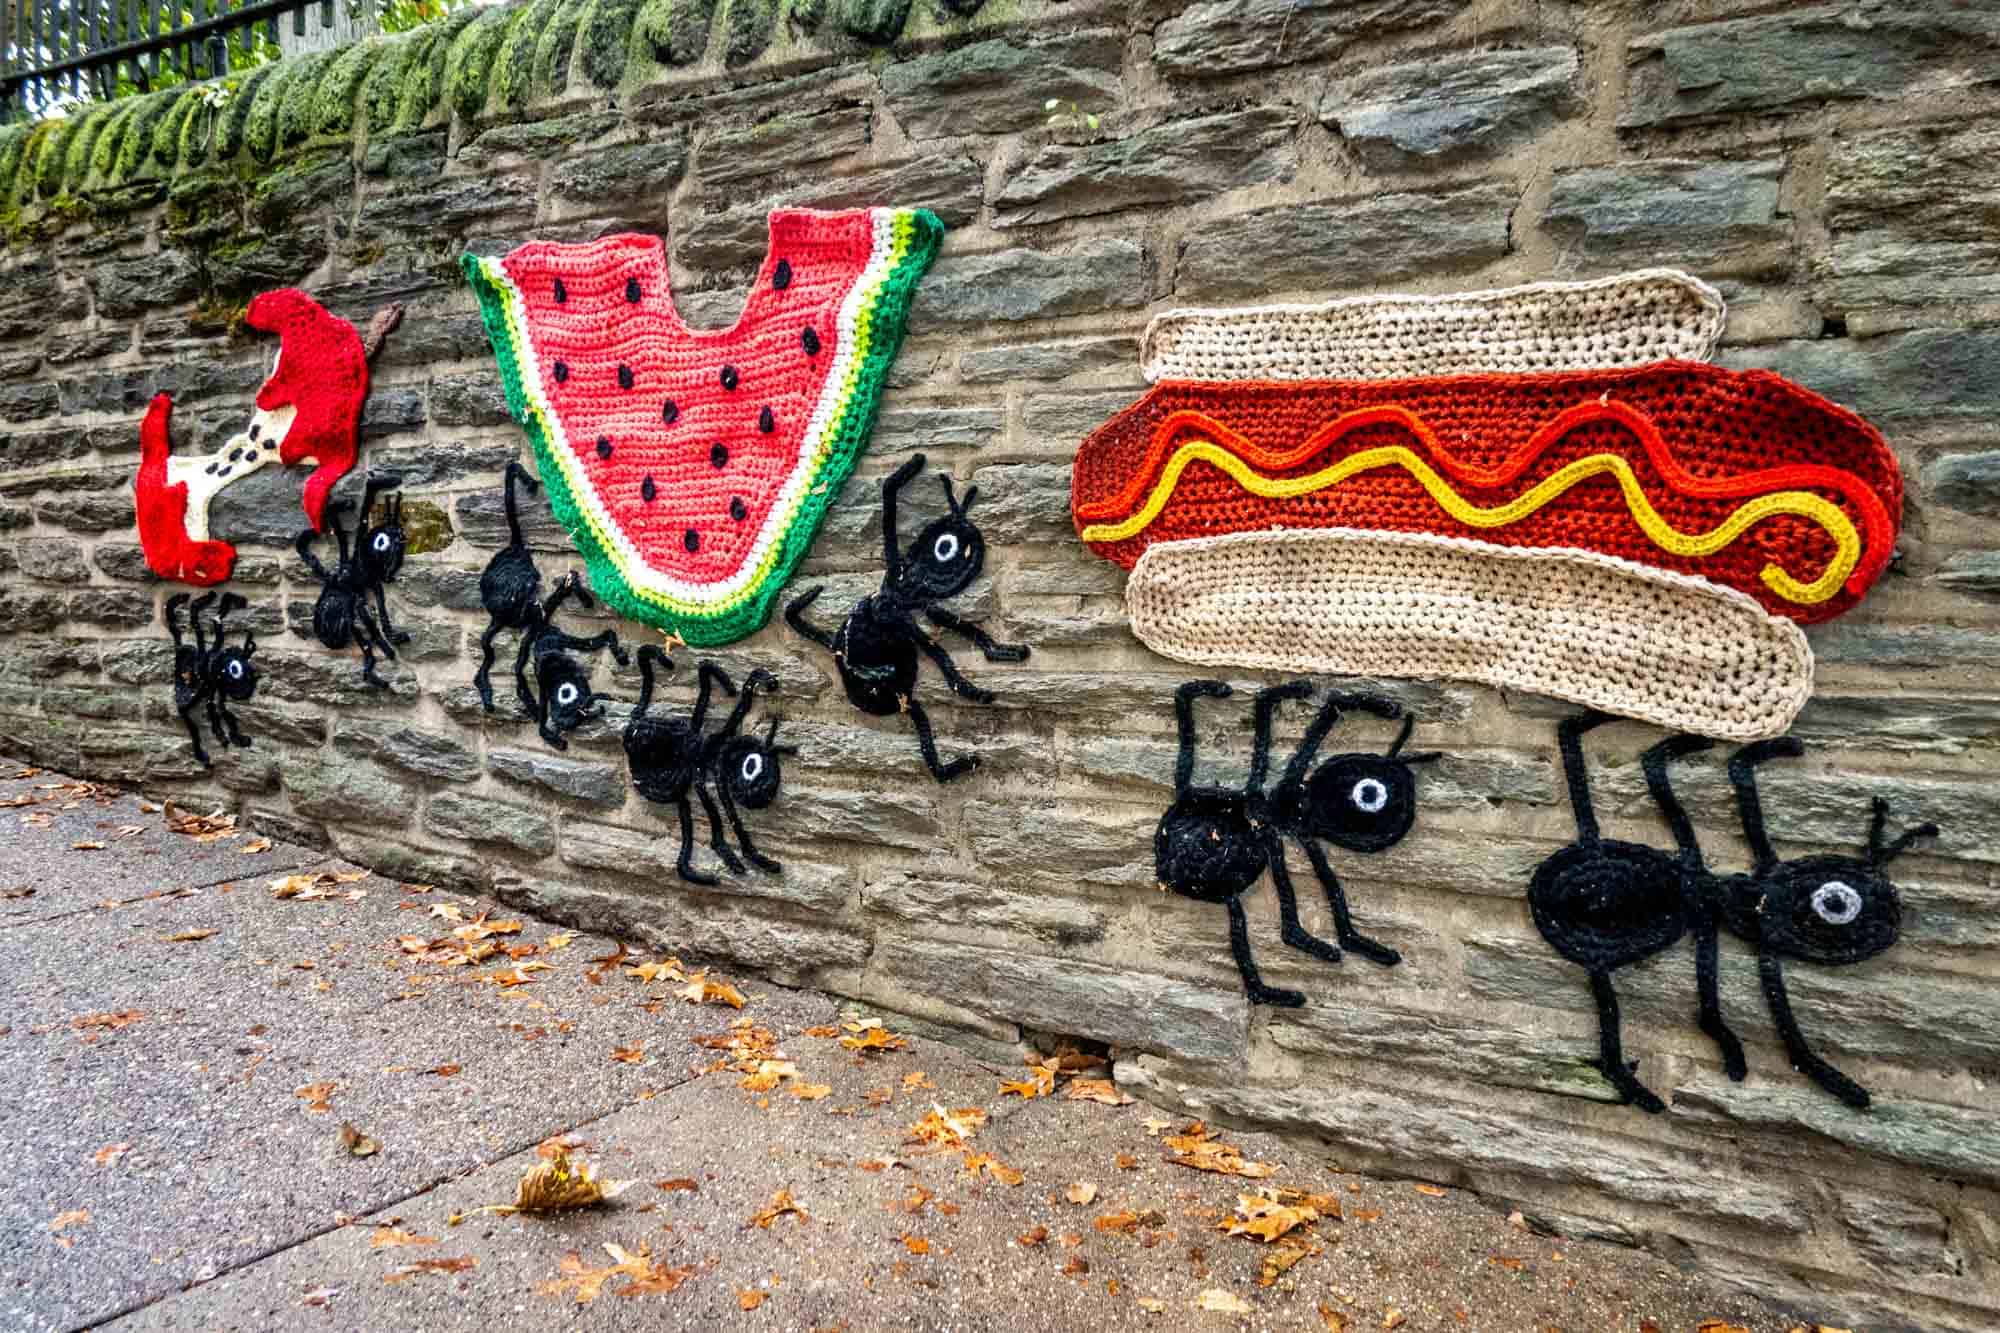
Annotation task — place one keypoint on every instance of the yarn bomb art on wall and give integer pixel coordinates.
(692, 468)
(671, 756)
(1537, 488)
(340, 615)
(211, 675)
(876, 646)
(1605, 904)
(1214, 843)
(309, 408)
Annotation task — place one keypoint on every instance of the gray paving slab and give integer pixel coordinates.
(172, 1176)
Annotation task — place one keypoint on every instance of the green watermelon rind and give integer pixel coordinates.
(879, 324)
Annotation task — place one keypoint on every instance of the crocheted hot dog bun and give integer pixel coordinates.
(1655, 314)
(1584, 626)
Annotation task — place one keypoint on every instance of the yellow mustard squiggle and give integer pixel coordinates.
(1847, 541)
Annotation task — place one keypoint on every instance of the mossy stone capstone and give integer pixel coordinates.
(295, 115)
(232, 128)
(137, 148)
(340, 88)
(470, 59)
(513, 74)
(674, 32)
(382, 90)
(557, 43)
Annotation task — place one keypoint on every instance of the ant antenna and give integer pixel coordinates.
(958, 506)
(1749, 805)
(1879, 855)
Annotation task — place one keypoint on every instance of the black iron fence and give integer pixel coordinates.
(56, 49)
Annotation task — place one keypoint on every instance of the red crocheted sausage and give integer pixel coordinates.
(1700, 441)
(162, 511)
(322, 371)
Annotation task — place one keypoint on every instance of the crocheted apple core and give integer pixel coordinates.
(692, 468)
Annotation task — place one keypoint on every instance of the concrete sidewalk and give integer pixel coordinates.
(180, 1049)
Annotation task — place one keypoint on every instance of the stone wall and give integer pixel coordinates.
(1829, 166)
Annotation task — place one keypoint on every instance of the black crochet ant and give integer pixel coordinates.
(876, 646)
(1214, 843)
(563, 702)
(510, 589)
(1606, 904)
(340, 616)
(671, 755)
(208, 674)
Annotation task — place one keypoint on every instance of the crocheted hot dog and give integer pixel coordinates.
(1740, 477)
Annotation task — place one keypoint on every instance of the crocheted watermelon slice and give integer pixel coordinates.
(692, 467)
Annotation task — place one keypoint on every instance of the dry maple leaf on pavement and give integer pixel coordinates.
(316, 1096)
(1222, 1302)
(642, 1273)
(700, 990)
(1267, 1218)
(781, 1203)
(947, 1129)
(668, 969)
(202, 828)
(456, 1264)
(869, 1035)
(1082, 1192)
(1097, 1090)
(975, 1162)
(388, 1237)
(560, 1182)
(357, 1144)
(1197, 1147)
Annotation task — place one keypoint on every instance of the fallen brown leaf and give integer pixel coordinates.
(669, 970)
(123, 1018)
(1393, 1318)
(634, 1054)
(75, 1217)
(947, 1129)
(1082, 1192)
(1127, 1222)
(389, 1238)
(1076, 1267)
(916, 1244)
(781, 1204)
(1097, 1090)
(109, 1154)
(555, 1184)
(869, 1035)
(254, 846)
(356, 1143)
(1197, 1147)
(86, 846)
(1222, 1302)
(750, 1299)
(1034, 1237)
(700, 990)
(680, 1183)
(188, 936)
(457, 1264)
(316, 1095)
(1431, 1190)
(1266, 1218)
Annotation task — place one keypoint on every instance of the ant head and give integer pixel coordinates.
(1365, 802)
(380, 553)
(947, 555)
(1828, 909)
(235, 673)
(566, 688)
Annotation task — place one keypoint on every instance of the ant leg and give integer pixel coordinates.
(1266, 705)
(608, 639)
(304, 548)
(795, 616)
(549, 733)
(1803, 1060)
(529, 705)
(194, 732)
(710, 675)
(750, 852)
(1293, 933)
(212, 707)
(236, 736)
(717, 840)
(1611, 1052)
(686, 864)
(1569, 738)
(382, 607)
(482, 680)
(958, 767)
(1253, 984)
(1654, 763)
(892, 552)
(952, 677)
(1749, 805)
(994, 650)
(1184, 698)
(374, 631)
(1708, 979)
(1343, 925)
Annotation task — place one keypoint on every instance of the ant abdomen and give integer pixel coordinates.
(1609, 904)
(1205, 847)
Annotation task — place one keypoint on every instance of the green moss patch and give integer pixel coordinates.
(260, 131)
(606, 36)
(340, 87)
(382, 90)
(297, 109)
(514, 67)
(424, 82)
(747, 29)
(878, 22)
(136, 148)
(674, 32)
(470, 60)
(232, 127)
(553, 49)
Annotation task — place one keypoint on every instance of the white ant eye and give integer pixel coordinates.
(1836, 902)
(382, 541)
(1370, 795)
(753, 766)
(945, 548)
(566, 693)
(236, 671)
